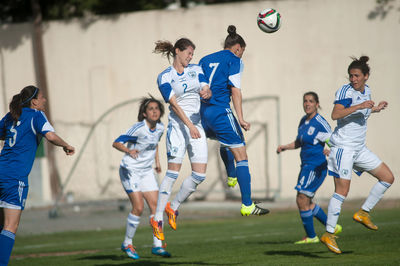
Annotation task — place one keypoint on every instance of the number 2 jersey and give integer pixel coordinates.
(351, 130)
(185, 86)
(21, 140)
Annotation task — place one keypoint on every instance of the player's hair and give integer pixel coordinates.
(233, 38)
(360, 64)
(314, 95)
(22, 99)
(143, 106)
(167, 49)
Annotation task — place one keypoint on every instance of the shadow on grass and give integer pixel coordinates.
(315, 254)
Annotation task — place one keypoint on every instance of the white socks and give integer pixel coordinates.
(375, 195)
(334, 208)
(189, 186)
(164, 193)
(132, 223)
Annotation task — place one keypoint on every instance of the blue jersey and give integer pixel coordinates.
(223, 70)
(21, 140)
(312, 136)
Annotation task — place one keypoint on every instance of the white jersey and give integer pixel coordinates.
(351, 130)
(185, 87)
(140, 137)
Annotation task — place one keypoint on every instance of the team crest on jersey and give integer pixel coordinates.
(192, 74)
(345, 172)
(311, 131)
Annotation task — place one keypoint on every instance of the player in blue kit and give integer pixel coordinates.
(136, 172)
(21, 129)
(223, 70)
(181, 85)
(313, 132)
(352, 108)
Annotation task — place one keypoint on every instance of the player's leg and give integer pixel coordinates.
(132, 223)
(151, 199)
(7, 234)
(229, 162)
(304, 205)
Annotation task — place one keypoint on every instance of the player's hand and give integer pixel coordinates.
(381, 106)
(194, 132)
(326, 152)
(245, 125)
(280, 149)
(367, 104)
(134, 153)
(205, 93)
(158, 167)
(69, 150)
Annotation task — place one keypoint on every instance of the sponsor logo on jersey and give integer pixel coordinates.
(311, 131)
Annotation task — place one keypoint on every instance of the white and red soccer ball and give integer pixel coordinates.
(269, 20)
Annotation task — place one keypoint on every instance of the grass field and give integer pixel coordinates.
(264, 240)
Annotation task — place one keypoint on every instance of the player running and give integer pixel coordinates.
(223, 70)
(181, 85)
(353, 106)
(22, 130)
(313, 132)
(136, 173)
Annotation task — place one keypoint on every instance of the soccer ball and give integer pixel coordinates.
(269, 20)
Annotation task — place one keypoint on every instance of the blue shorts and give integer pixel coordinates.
(219, 123)
(13, 193)
(311, 178)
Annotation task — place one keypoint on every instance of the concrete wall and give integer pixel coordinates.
(94, 64)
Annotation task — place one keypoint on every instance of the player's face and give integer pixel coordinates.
(357, 79)
(153, 112)
(39, 103)
(310, 105)
(184, 57)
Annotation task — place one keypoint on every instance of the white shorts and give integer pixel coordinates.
(341, 162)
(138, 180)
(179, 140)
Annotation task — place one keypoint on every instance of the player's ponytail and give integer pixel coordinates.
(233, 38)
(167, 49)
(22, 99)
(360, 64)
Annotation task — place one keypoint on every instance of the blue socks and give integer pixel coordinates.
(244, 180)
(308, 223)
(319, 213)
(229, 161)
(7, 239)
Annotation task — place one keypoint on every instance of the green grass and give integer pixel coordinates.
(224, 241)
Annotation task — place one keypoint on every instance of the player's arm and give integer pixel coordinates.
(121, 147)
(54, 139)
(237, 104)
(157, 161)
(339, 111)
(194, 133)
(291, 146)
(381, 106)
(205, 92)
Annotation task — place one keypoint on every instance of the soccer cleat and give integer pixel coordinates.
(232, 181)
(172, 215)
(160, 251)
(308, 240)
(329, 240)
(363, 218)
(253, 209)
(130, 251)
(338, 229)
(157, 228)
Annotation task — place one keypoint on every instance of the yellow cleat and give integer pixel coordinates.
(157, 228)
(253, 209)
(329, 240)
(232, 181)
(363, 218)
(172, 215)
(308, 240)
(338, 229)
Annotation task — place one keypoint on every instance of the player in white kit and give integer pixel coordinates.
(353, 106)
(181, 85)
(136, 172)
